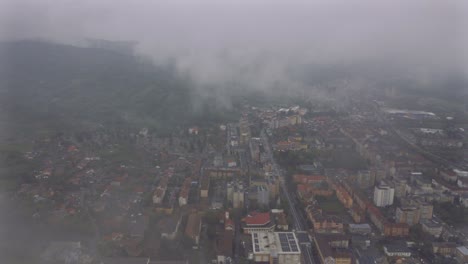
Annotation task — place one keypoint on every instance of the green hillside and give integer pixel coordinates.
(48, 87)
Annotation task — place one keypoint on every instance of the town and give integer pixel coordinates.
(307, 183)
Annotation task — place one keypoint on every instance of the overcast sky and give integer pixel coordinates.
(433, 33)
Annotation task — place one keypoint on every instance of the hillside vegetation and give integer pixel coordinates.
(50, 87)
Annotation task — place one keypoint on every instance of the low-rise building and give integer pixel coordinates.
(184, 192)
(357, 214)
(257, 222)
(193, 227)
(236, 194)
(224, 247)
(407, 214)
(432, 227)
(397, 251)
(343, 196)
(444, 248)
(333, 249)
(276, 247)
(461, 253)
(323, 223)
(204, 186)
(360, 229)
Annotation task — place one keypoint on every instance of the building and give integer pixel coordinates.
(360, 242)
(160, 191)
(383, 195)
(204, 186)
(343, 196)
(184, 191)
(360, 229)
(449, 176)
(461, 253)
(396, 229)
(365, 179)
(407, 214)
(425, 210)
(224, 247)
(281, 222)
(236, 194)
(271, 184)
(385, 227)
(397, 251)
(432, 227)
(323, 223)
(308, 179)
(193, 227)
(444, 248)
(257, 222)
(259, 195)
(276, 247)
(333, 249)
(357, 214)
(401, 187)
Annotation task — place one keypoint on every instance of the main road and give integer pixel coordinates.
(299, 223)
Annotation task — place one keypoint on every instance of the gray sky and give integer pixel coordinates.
(432, 33)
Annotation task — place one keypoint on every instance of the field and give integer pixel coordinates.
(331, 205)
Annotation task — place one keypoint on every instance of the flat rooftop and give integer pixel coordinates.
(275, 243)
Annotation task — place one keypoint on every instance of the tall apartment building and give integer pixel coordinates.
(383, 195)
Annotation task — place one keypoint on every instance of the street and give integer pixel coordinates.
(299, 222)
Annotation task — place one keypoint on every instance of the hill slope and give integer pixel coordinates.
(53, 86)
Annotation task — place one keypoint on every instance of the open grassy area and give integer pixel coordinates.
(331, 205)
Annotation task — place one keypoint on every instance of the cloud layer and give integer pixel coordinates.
(219, 41)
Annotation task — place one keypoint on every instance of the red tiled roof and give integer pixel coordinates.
(308, 178)
(257, 219)
(72, 148)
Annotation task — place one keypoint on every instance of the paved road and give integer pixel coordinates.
(299, 222)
